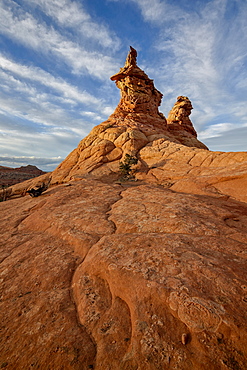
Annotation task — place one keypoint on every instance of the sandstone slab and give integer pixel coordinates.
(104, 276)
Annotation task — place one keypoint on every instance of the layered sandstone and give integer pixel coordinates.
(138, 94)
(179, 116)
(98, 273)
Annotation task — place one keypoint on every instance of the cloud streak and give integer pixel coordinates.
(46, 164)
(72, 15)
(35, 74)
(21, 26)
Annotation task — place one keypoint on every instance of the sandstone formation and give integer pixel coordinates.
(179, 115)
(138, 94)
(98, 273)
(135, 125)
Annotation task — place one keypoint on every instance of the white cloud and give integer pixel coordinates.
(22, 160)
(191, 46)
(91, 115)
(46, 79)
(233, 140)
(216, 130)
(107, 111)
(23, 28)
(52, 142)
(35, 110)
(159, 11)
(70, 14)
(30, 93)
(65, 11)
(203, 56)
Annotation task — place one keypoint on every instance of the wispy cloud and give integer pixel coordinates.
(159, 11)
(37, 108)
(22, 27)
(54, 143)
(32, 95)
(216, 130)
(233, 140)
(202, 55)
(72, 15)
(36, 74)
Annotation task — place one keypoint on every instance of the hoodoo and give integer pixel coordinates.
(138, 94)
(135, 128)
(179, 115)
(105, 274)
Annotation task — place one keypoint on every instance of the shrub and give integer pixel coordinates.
(125, 167)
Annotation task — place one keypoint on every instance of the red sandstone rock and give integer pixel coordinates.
(147, 274)
(178, 117)
(138, 94)
(113, 276)
(135, 127)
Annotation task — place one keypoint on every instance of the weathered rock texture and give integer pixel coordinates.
(135, 127)
(179, 115)
(110, 276)
(147, 274)
(138, 94)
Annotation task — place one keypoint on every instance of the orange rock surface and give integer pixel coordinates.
(98, 273)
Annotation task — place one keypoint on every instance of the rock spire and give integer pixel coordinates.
(179, 115)
(138, 94)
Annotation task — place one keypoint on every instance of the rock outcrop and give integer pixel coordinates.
(149, 274)
(178, 117)
(138, 94)
(110, 276)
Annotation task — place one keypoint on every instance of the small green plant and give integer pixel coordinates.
(125, 167)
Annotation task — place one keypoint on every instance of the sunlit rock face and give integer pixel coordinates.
(135, 124)
(138, 94)
(178, 117)
(100, 273)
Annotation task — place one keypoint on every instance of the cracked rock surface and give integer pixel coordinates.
(133, 276)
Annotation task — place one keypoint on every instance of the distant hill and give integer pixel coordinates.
(10, 176)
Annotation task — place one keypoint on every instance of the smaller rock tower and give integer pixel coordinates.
(179, 116)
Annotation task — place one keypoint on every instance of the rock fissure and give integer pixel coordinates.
(80, 266)
(108, 212)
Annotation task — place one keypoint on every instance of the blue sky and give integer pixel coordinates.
(56, 58)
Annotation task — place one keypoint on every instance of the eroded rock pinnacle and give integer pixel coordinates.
(138, 94)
